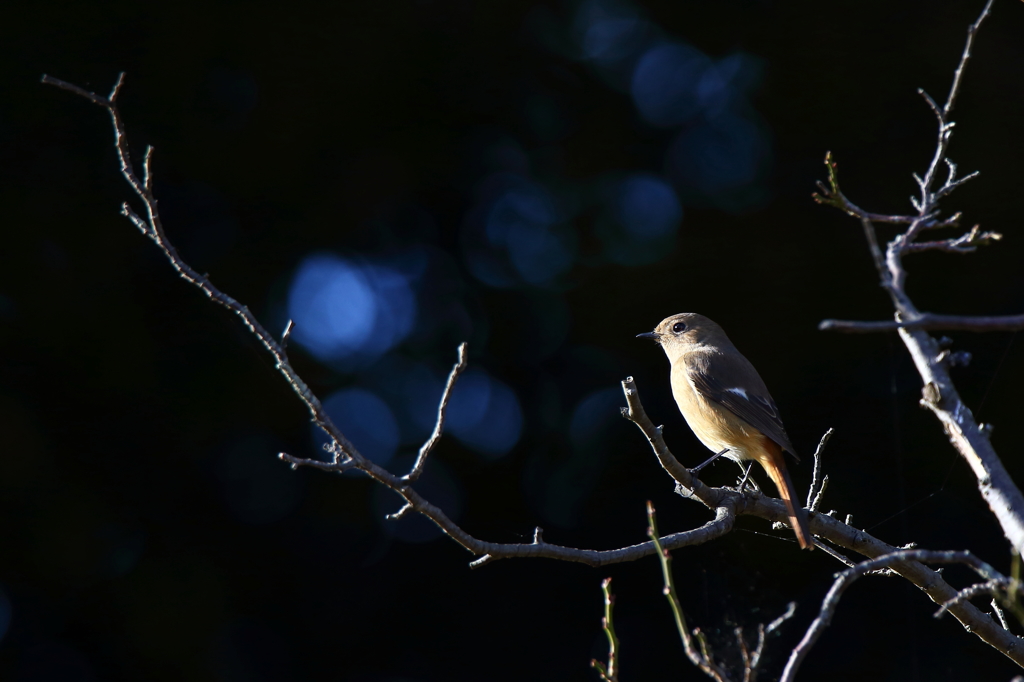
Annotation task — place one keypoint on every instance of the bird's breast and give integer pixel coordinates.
(714, 425)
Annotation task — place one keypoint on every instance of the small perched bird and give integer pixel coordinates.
(727, 405)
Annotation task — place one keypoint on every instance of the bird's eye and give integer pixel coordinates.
(678, 327)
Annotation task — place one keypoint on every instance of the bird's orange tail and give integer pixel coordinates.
(775, 466)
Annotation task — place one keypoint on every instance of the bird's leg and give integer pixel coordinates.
(697, 468)
(746, 475)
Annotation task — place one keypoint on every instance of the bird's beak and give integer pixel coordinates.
(653, 336)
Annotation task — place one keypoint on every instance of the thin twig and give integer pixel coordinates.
(999, 613)
(635, 413)
(816, 504)
(610, 672)
(931, 322)
(286, 334)
(702, 659)
(833, 553)
(442, 409)
(929, 198)
(988, 587)
(964, 244)
(813, 493)
(750, 672)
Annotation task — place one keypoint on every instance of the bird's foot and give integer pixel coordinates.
(696, 469)
(746, 477)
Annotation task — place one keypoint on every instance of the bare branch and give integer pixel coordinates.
(488, 552)
(988, 587)
(777, 623)
(702, 659)
(833, 553)
(832, 196)
(945, 131)
(999, 613)
(155, 231)
(609, 673)
(82, 92)
(847, 577)
(751, 670)
(965, 243)
(286, 334)
(635, 413)
(930, 321)
(401, 513)
(932, 105)
(817, 486)
(954, 89)
(442, 409)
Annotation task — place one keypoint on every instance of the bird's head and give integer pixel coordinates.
(687, 332)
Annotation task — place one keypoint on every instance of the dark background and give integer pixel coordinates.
(147, 531)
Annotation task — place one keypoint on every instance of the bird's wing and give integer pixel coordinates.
(732, 382)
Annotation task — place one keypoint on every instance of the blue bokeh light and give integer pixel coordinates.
(648, 207)
(673, 83)
(641, 220)
(515, 235)
(483, 413)
(593, 416)
(610, 41)
(366, 420)
(343, 309)
(719, 155)
(611, 36)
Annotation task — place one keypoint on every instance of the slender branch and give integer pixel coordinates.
(833, 196)
(930, 321)
(964, 244)
(954, 89)
(816, 504)
(610, 672)
(152, 227)
(750, 673)
(999, 613)
(634, 412)
(286, 334)
(817, 485)
(702, 659)
(945, 131)
(992, 587)
(846, 578)
(940, 396)
(442, 409)
(833, 553)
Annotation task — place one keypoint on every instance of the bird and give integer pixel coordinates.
(727, 405)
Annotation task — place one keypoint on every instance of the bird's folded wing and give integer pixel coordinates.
(732, 382)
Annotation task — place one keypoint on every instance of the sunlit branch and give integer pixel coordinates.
(442, 408)
(940, 396)
(889, 560)
(818, 484)
(703, 658)
(609, 672)
(932, 322)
